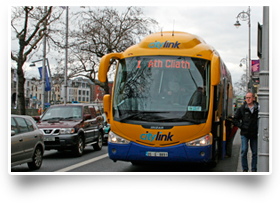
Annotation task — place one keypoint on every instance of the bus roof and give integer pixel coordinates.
(181, 44)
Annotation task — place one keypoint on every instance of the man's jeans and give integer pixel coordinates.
(244, 151)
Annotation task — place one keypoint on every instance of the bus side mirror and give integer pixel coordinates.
(215, 70)
(104, 65)
(106, 106)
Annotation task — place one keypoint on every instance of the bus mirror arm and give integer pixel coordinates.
(104, 65)
(215, 70)
(106, 106)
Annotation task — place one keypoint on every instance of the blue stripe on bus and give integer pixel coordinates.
(177, 153)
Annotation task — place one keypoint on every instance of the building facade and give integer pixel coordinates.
(78, 89)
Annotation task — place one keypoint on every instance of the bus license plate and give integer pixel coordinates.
(49, 139)
(157, 154)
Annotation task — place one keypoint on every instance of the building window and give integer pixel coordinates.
(87, 93)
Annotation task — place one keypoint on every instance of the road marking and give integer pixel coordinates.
(82, 163)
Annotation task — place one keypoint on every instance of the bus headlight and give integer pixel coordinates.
(113, 138)
(202, 141)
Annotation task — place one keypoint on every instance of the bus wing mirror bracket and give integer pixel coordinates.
(215, 70)
(106, 106)
(104, 65)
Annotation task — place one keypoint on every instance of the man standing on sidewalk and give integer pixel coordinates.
(246, 118)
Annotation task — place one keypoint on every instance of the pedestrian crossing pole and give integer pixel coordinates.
(263, 95)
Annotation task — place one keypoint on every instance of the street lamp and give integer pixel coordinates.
(245, 16)
(244, 60)
(49, 70)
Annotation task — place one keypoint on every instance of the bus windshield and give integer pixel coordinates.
(162, 89)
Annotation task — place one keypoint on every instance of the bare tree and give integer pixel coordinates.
(241, 85)
(28, 27)
(103, 31)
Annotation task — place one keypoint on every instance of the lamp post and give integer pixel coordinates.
(244, 60)
(245, 16)
(49, 70)
(66, 56)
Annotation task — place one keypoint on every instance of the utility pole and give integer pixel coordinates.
(263, 95)
(44, 65)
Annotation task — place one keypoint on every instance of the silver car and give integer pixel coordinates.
(27, 145)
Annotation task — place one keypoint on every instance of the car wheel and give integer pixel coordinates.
(98, 146)
(37, 159)
(79, 147)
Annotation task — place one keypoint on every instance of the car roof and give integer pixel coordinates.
(22, 116)
(74, 104)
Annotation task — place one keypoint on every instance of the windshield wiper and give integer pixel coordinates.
(59, 118)
(193, 121)
(69, 117)
(140, 115)
(130, 116)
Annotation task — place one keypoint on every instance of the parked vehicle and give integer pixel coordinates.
(27, 145)
(106, 129)
(72, 127)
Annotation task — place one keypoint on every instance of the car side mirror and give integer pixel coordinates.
(87, 116)
(36, 118)
(13, 132)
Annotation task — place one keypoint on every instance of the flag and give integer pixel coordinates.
(255, 67)
(47, 84)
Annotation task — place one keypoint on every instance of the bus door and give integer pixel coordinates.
(223, 119)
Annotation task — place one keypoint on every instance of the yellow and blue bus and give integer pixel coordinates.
(171, 99)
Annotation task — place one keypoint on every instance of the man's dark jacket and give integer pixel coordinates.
(247, 121)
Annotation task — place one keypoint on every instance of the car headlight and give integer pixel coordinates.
(67, 130)
(202, 141)
(113, 138)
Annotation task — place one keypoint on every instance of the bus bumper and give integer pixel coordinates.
(178, 153)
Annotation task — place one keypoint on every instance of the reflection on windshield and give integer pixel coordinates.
(68, 112)
(162, 88)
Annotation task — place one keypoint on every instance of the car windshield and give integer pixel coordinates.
(62, 112)
(162, 89)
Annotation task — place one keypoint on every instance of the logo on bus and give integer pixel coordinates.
(166, 44)
(157, 137)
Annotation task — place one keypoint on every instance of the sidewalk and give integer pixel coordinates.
(249, 155)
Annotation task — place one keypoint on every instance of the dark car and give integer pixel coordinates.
(72, 127)
(106, 129)
(27, 145)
